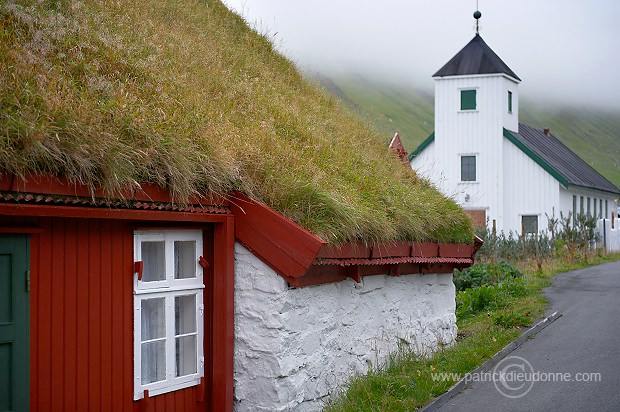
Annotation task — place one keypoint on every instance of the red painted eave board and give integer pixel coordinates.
(283, 244)
(350, 250)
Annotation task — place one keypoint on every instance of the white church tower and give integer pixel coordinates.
(476, 98)
(513, 175)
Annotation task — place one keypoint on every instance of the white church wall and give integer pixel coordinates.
(605, 202)
(609, 234)
(528, 190)
(511, 118)
(294, 347)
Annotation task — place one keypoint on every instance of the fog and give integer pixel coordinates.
(563, 50)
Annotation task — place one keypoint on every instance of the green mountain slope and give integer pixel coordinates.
(592, 134)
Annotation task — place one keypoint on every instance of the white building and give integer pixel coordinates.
(501, 170)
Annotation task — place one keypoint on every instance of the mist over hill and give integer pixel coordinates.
(593, 133)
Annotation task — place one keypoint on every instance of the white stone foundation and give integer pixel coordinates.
(294, 347)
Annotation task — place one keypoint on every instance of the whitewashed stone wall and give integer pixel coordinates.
(294, 347)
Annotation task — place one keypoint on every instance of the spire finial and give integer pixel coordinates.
(477, 16)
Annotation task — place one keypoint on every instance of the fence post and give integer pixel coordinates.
(523, 237)
(494, 243)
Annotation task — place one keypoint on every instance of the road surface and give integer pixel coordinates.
(571, 365)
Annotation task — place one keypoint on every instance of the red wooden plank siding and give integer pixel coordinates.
(81, 328)
(119, 336)
(43, 308)
(71, 310)
(106, 314)
(82, 320)
(57, 318)
(93, 239)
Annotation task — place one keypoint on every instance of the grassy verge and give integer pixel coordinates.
(406, 381)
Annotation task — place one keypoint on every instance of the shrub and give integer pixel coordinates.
(470, 302)
(485, 274)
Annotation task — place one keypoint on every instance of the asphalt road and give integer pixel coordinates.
(585, 340)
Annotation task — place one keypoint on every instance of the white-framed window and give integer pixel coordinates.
(468, 168)
(168, 311)
(529, 224)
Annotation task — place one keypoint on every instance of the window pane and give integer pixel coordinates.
(468, 100)
(184, 259)
(530, 224)
(468, 168)
(185, 314)
(153, 319)
(509, 102)
(153, 361)
(153, 256)
(574, 208)
(186, 355)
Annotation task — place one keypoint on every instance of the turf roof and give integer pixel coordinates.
(185, 95)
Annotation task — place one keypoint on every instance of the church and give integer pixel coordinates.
(505, 173)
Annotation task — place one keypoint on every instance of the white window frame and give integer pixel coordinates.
(475, 156)
(537, 216)
(168, 289)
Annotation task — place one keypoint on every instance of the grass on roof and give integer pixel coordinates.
(183, 94)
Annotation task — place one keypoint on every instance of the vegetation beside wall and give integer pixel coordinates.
(566, 237)
(495, 304)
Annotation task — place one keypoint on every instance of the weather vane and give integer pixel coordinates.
(477, 16)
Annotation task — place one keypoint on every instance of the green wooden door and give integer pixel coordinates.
(14, 323)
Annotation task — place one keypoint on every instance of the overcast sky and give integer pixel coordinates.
(566, 49)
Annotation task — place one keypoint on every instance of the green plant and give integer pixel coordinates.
(511, 320)
(487, 297)
(484, 274)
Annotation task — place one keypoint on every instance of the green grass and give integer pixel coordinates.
(183, 94)
(589, 132)
(405, 382)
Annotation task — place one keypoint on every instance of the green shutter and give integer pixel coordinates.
(468, 100)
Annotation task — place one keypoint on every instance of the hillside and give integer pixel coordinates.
(593, 134)
(184, 95)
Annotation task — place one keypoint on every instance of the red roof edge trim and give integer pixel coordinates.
(304, 259)
(393, 261)
(284, 245)
(52, 185)
(319, 275)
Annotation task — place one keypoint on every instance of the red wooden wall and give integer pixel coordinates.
(82, 320)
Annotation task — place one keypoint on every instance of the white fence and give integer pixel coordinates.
(610, 238)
